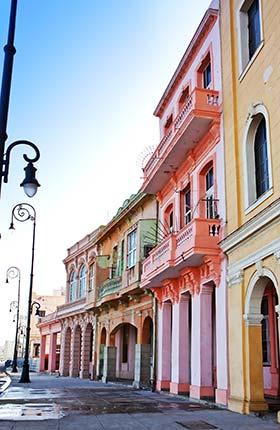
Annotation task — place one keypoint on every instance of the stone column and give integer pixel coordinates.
(142, 373)
(65, 352)
(75, 354)
(43, 353)
(109, 369)
(254, 387)
(52, 353)
(201, 349)
(85, 352)
(180, 374)
(164, 347)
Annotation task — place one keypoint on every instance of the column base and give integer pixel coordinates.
(246, 406)
(74, 374)
(197, 392)
(163, 385)
(84, 374)
(179, 388)
(221, 396)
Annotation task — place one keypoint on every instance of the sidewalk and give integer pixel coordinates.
(61, 403)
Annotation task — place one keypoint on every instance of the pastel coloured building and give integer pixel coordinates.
(250, 34)
(187, 269)
(105, 328)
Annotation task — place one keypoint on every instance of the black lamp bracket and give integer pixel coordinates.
(6, 160)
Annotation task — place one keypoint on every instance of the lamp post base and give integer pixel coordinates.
(14, 368)
(25, 374)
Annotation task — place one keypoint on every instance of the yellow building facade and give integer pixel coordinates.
(250, 34)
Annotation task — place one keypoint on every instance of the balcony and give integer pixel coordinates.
(110, 286)
(179, 250)
(196, 118)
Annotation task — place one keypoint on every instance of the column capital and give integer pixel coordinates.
(277, 309)
(253, 319)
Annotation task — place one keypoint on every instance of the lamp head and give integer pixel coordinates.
(12, 226)
(30, 183)
(7, 280)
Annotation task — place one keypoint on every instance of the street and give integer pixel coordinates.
(58, 403)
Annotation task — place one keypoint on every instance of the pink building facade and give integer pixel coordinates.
(187, 269)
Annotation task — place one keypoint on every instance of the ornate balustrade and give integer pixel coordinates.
(110, 286)
(199, 111)
(198, 238)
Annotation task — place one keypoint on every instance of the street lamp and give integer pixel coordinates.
(30, 183)
(23, 212)
(13, 272)
(38, 306)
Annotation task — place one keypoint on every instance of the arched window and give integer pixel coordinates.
(261, 160)
(257, 158)
(169, 219)
(72, 286)
(82, 281)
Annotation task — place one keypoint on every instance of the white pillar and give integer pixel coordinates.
(164, 346)
(201, 349)
(180, 347)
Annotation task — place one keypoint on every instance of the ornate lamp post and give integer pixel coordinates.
(23, 212)
(13, 272)
(30, 183)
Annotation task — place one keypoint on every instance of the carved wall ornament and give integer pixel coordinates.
(259, 268)
(235, 278)
(253, 319)
(277, 255)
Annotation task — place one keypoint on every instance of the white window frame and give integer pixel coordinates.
(243, 36)
(91, 277)
(73, 286)
(250, 199)
(131, 249)
(82, 281)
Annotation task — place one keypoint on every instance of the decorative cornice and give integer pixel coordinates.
(250, 259)
(259, 221)
(203, 29)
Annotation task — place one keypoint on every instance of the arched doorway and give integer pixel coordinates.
(144, 355)
(262, 341)
(76, 353)
(87, 357)
(124, 338)
(65, 356)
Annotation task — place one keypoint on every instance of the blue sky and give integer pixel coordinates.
(87, 77)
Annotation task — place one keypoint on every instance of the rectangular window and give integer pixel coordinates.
(210, 202)
(254, 30)
(131, 249)
(91, 277)
(187, 206)
(207, 76)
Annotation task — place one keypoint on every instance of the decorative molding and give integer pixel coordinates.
(270, 249)
(277, 309)
(277, 255)
(259, 268)
(251, 226)
(253, 320)
(235, 278)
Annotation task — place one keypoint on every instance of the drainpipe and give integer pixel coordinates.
(154, 346)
